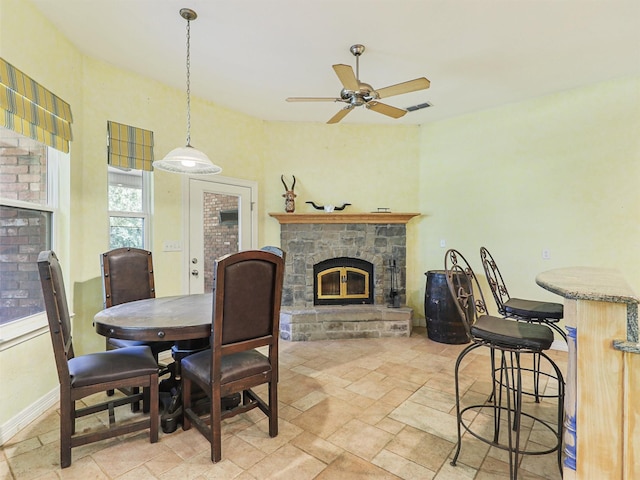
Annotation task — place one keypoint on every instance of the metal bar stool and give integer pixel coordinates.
(548, 313)
(509, 341)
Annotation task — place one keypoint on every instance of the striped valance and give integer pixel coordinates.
(33, 111)
(129, 147)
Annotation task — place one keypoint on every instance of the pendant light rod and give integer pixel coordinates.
(188, 159)
(188, 15)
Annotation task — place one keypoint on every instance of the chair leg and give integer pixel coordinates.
(186, 403)
(516, 410)
(536, 377)
(154, 414)
(135, 406)
(67, 423)
(216, 425)
(561, 419)
(273, 409)
(458, 409)
(496, 395)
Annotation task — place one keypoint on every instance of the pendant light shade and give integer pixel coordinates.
(187, 159)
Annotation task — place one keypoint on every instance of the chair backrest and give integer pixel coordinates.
(55, 301)
(127, 275)
(464, 288)
(495, 280)
(247, 291)
(275, 250)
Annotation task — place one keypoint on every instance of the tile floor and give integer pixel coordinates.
(349, 409)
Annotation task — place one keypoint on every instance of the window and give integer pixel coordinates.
(28, 180)
(129, 208)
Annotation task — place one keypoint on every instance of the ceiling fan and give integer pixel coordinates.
(356, 93)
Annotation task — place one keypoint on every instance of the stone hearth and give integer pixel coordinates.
(344, 321)
(308, 239)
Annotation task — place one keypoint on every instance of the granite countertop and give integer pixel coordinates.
(597, 284)
(588, 283)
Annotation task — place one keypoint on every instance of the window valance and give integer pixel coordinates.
(129, 147)
(33, 111)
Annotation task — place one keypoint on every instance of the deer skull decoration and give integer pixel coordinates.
(289, 196)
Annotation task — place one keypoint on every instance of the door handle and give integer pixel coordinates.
(195, 272)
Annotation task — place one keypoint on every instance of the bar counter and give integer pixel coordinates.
(602, 402)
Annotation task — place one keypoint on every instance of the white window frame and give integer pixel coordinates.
(147, 205)
(26, 328)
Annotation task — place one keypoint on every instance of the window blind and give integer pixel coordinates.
(129, 147)
(33, 111)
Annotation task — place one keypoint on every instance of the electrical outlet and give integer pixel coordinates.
(443, 243)
(172, 246)
(546, 254)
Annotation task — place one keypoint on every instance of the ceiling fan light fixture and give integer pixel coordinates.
(357, 94)
(187, 159)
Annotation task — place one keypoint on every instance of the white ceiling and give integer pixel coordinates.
(249, 55)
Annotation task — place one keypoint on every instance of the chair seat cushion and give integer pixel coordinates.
(508, 333)
(532, 309)
(111, 365)
(233, 367)
(156, 347)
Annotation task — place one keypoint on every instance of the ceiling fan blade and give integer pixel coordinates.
(347, 77)
(312, 99)
(385, 109)
(405, 87)
(341, 114)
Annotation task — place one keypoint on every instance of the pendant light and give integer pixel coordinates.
(187, 159)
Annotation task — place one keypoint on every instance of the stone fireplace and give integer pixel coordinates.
(309, 240)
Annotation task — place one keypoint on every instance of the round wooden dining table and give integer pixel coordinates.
(181, 317)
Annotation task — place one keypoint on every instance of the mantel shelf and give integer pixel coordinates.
(337, 217)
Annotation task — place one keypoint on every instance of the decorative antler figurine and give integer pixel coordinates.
(289, 196)
(328, 208)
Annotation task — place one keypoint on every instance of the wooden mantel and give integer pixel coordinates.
(337, 217)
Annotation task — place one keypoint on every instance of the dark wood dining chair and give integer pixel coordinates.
(81, 376)
(127, 276)
(247, 292)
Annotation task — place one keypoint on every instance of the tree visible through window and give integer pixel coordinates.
(128, 208)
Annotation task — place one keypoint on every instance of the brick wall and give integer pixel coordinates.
(23, 233)
(219, 239)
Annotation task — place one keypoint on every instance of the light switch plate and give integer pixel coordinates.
(172, 246)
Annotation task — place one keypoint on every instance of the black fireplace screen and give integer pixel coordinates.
(342, 281)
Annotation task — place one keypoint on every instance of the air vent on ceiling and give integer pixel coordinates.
(420, 106)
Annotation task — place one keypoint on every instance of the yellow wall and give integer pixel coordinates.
(367, 166)
(27, 371)
(559, 172)
(229, 138)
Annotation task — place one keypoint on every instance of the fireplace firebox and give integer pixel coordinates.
(343, 281)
